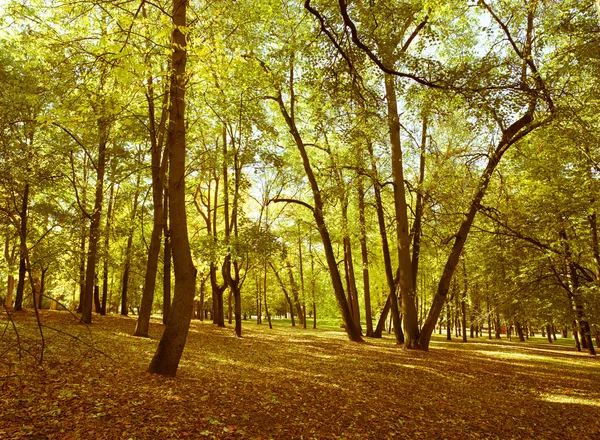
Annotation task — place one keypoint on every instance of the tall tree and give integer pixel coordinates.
(170, 348)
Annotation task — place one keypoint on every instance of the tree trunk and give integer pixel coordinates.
(23, 214)
(97, 304)
(498, 326)
(312, 283)
(124, 298)
(576, 336)
(265, 294)
(170, 348)
(365, 255)
(106, 250)
(230, 307)
(448, 321)
(549, 330)
(294, 288)
(387, 261)
(82, 269)
(10, 256)
(405, 278)
(92, 256)
(217, 292)
(42, 287)
(159, 166)
(519, 330)
(510, 135)
(318, 214)
(166, 259)
(584, 326)
(287, 297)
(463, 304)
(201, 304)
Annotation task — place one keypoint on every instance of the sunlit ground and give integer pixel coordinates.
(290, 383)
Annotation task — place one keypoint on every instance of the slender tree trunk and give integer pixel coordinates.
(90, 274)
(265, 294)
(510, 135)
(42, 286)
(448, 321)
(318, 214)
(287, 297)
(10, 257)
(23, 214)
(124, 298)
(365, 255)
(498, 326)
(106, 250)
(549, 331)
(463, 304)
(82, 270)
(294, 288)
(392, 302)
(201, 304)
(159, 167)
(166, 259)
(312, 285)
(576, 336)
(170, 348)
(230, 307)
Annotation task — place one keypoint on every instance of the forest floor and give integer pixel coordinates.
(286, 383)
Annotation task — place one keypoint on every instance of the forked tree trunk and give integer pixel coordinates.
(170, 347)
(405, 278)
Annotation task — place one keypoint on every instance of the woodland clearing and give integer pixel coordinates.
(287, 383)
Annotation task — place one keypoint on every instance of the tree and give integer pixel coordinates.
(172, 342)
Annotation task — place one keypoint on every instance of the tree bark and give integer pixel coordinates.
(23, 214)
(170, 348)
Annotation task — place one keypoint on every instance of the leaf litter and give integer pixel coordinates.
(288, 383)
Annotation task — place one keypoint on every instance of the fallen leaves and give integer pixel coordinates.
(285, 383)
